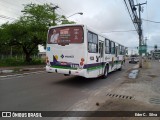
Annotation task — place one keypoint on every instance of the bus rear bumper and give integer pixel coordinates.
(79, 72)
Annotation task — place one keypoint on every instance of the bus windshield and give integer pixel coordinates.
(65, 35)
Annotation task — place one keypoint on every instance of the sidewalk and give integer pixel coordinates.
(140, 94)
(143, 91)
(20, 69)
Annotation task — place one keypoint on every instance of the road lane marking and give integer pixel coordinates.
(20, 75)
(7, 78)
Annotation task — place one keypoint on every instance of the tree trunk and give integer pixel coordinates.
(28, 58)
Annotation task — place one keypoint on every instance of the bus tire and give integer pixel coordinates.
(105, 74)
(66, 74)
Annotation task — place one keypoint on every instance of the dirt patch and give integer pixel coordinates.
(146, 65)
(114, 104)
(124, 105)
(128, 81)
(153, 76)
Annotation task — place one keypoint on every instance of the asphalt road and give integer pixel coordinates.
(49, 91)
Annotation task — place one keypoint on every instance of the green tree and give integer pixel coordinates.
(5, 47)
(65, 21)
(31, 29)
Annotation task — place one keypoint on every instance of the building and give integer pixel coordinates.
(155, 54)
(42, 55)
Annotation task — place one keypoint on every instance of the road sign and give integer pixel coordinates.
(142, 49)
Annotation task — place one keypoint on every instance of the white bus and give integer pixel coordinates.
(81, 51)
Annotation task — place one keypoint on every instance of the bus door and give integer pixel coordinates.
(101, 56)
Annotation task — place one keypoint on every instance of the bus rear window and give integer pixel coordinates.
(65, 35)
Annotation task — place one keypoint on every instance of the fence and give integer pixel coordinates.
(22, 57)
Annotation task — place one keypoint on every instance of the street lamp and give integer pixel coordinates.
(80, 13)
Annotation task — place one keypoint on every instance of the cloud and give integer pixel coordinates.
(101, 15)
(154, 39)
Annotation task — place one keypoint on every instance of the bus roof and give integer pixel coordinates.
(63, 25)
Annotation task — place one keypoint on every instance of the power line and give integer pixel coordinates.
(130, 14)
(150, 21)
(63, 10)
(16, 7)
(121, 31)
(137, 46)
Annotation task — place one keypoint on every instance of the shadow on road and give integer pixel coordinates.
(77, 81)
(81, 82)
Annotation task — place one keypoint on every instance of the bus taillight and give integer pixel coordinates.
(82, 62)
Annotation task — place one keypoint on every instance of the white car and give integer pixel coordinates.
(133, 59)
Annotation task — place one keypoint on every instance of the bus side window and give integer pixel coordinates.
(120, 49)
(92, 42)
(107, 46)
(123, 50)
(116, 50)
(89, 36)
(112, 47)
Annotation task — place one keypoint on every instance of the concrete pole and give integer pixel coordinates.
(140, 36)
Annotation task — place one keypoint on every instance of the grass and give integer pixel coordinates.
(20, 62)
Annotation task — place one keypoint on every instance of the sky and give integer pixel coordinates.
(105, 16)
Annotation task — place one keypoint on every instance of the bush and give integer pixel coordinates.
(20, 62)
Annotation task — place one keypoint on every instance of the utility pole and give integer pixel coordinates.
(54, 8)
(139, 22)
(146, 45)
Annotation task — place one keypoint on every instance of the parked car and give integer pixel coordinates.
(133, 59)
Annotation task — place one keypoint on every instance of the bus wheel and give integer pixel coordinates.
(105, 74)
(66, 74)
